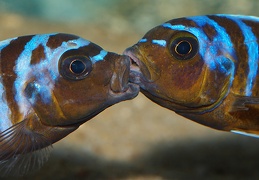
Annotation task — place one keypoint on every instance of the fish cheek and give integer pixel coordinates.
(103, 71)
(186, 80)
(44, 104)
(180, 81)
(196, 85)
(79, 100)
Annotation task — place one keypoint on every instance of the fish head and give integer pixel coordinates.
(80, 81)
(60, 81)
(180, 68)
(94, 79)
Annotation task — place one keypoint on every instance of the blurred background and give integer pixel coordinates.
(134, 139)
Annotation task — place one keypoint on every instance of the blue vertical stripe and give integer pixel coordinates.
(5, 122)
(250, 41)
(221, 44)
(23, 68)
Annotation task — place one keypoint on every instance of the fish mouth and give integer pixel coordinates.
(135, 72)
(139, 70)
(120, 81)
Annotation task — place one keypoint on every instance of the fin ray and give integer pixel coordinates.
(21, 150)
(241, 102)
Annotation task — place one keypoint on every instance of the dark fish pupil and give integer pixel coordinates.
(77, 67)
(183, 48)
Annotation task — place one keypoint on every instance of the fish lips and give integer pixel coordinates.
(120, 86)
(141, 70)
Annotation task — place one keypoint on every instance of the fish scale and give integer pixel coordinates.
(215, 82)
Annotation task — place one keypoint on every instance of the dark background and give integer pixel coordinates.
(135, 139)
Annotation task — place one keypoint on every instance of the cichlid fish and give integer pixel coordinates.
(50, 84)
(204, 68)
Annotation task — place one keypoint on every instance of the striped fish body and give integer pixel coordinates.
(204, 68)
(50, 84)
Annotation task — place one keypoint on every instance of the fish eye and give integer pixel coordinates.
(184, 46)
(75, 67)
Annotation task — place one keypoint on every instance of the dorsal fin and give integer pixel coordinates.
(21, 150)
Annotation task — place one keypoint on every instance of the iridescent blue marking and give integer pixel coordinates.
(221, 42)
(250, 41)
(76, 43)
(242, 17)
(99, 57)
(142, 40)
(5, 122)
(23, 67)
(159, 42)
(245, 133)
(43, 91)
(174, 27)
(5, 43)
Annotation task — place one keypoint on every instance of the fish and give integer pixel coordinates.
(204, 68)
(50, 84)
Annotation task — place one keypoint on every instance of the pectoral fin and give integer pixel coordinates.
(22, 150)
(24, 146)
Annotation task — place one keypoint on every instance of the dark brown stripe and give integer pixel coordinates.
(209, 31)
(91, 49)
(237, 38)
(182, 21)
(57, 39)
(37, 55)
(9, 55)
